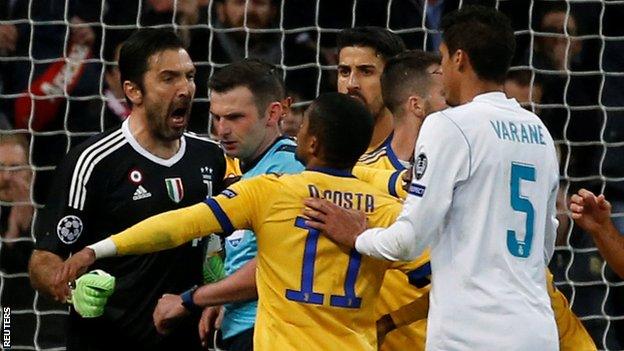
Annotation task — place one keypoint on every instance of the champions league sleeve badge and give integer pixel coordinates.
(69, 229)
(420, 166)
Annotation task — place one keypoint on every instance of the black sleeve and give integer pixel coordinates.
(63, 226)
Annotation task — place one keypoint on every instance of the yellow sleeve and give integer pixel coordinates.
(572, 333)
(166, 230)
(412, 312)
(235, 208)
(386, 181)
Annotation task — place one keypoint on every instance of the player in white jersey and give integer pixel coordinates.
(482, 197)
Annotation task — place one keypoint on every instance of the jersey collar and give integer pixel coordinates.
(394, 160)
(125, 129)
(491, 96)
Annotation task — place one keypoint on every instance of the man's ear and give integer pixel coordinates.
(416, 106)
(274, 113)
(314, 147)
(461, 60)
(133, 92)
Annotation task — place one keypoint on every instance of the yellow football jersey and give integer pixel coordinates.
(381, 157)
(572, 334)
(411, 280)
(312, 294)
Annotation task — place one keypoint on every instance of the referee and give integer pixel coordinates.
(147, 166)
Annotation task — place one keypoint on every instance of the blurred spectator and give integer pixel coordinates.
(557, 49)
(117, 109)
(16, 215)
(15, 210)
(613, 99)
(251, 29)
(66, 88)
(571, 108)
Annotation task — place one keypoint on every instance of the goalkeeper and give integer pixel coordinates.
(118, 178)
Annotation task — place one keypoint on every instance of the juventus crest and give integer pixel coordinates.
(206, 173)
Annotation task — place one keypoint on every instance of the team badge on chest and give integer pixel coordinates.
(175, 189)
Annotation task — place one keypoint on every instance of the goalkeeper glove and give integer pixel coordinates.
(213, 264)
(92, 292)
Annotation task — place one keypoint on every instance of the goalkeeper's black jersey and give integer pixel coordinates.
(107, 184)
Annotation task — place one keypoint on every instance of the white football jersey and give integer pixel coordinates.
(483, 198)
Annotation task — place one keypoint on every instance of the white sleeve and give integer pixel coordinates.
(550, 233)
(441, 161)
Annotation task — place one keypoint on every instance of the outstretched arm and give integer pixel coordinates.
(593, 214)
(161, 232)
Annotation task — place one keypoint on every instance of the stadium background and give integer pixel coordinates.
(58, 56)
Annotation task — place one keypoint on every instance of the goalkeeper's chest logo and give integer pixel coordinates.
(175, 189)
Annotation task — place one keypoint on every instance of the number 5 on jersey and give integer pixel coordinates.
(519, 171)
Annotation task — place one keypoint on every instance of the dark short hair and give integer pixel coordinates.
(404, 75)
(261, 78)
(383, 41)
(139, 47)
(343, 126)
(485, 35)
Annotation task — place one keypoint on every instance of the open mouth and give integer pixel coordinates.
(178, 116)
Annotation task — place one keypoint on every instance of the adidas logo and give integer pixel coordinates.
(141, 193)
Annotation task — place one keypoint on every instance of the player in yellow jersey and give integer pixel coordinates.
(313, 295)
(411, 87)
(362, 55)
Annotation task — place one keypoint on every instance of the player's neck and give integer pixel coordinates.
(267, 142)
(141, 132)
(383, 128)
(317, 163)
(404, 138)
(475, 86)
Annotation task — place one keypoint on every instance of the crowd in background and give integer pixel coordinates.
(59, 84)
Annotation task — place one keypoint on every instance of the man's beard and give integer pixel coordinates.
(157, 122)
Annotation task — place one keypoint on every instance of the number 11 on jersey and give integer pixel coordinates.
(307, 294)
